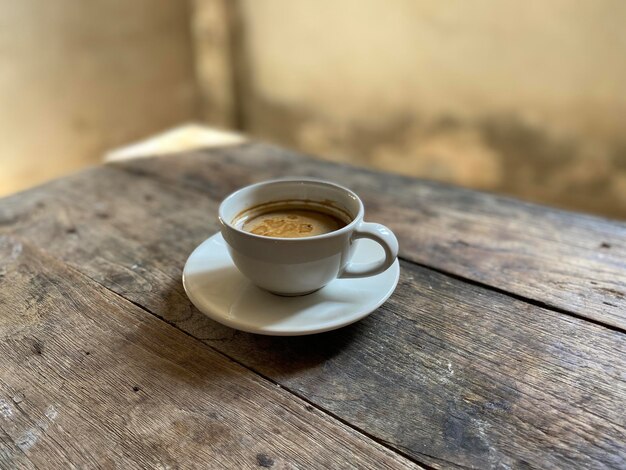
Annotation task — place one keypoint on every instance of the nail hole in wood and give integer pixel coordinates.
(38, 348)
(264, 460)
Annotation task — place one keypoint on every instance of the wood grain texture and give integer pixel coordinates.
(566, 260)
(89, 380)
(449, 373)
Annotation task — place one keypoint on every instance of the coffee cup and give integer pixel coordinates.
(293, 236)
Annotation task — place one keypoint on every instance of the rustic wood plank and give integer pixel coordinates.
(94, 219)
(11, 456)
(566, 260)
(89, 380)
(449, 373)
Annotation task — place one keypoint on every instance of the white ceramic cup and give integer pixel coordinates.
(298, 266)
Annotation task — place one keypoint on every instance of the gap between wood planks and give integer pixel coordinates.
(379, 441)
(528, 300)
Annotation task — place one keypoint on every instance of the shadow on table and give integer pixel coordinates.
(275, 356)
(290, 355)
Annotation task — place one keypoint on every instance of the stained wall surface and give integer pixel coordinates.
(524, 98)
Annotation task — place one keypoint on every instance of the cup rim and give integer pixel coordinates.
(356, 220)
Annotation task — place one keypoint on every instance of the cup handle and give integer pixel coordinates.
(385, 238)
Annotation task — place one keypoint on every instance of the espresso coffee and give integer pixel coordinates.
(292, 222)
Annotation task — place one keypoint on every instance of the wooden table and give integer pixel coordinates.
(503, 346)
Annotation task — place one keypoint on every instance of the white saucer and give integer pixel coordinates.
(219, 290)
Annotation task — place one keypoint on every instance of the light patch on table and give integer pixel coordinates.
(51, 413)
(447, 374)
(30, 437)
(181, 139)
(6, 410)
(495, 458)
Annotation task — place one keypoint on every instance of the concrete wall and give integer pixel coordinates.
(526, 98)
(77, 78)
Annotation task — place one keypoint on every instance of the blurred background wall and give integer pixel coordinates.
(525, 99)
(77, 78)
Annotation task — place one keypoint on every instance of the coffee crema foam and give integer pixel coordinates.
(290, 221)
